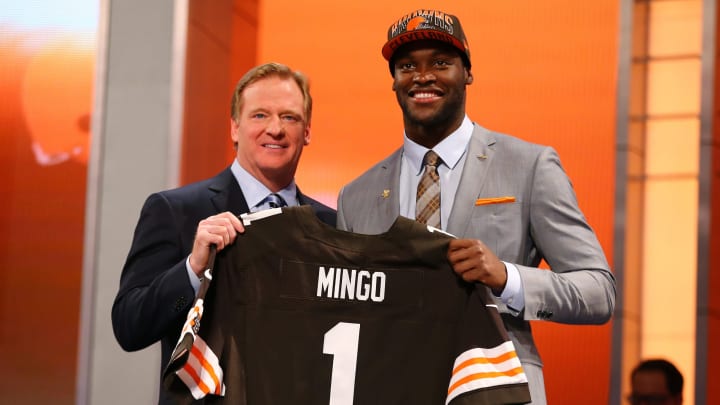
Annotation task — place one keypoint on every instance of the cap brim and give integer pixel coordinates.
(419, 35)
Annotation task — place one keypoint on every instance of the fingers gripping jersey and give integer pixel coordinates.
(301, 313)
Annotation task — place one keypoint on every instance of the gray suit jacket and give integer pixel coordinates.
(544, 222)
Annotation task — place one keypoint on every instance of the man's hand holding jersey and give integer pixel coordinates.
(220, 230)
(475, 262)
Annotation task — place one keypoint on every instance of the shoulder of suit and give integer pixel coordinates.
(505, 140)
(380, 168)
(217, 182)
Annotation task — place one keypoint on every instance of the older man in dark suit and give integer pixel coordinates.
(270, 125)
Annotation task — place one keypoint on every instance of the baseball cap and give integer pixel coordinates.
(424, 25)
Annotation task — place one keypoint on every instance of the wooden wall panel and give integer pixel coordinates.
(221, 47)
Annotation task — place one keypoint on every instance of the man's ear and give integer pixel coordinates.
(307, 135)
(233, 130)
(468, 76)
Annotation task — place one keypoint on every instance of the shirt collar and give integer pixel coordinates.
(450, 149)
(254, 191)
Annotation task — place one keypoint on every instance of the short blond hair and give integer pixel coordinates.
(272, 69)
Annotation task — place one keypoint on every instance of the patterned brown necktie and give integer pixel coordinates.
(427, 209)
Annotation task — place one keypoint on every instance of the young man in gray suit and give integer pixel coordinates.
(270, 125)
(508, 201)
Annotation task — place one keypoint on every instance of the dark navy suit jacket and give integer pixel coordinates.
(155, 292)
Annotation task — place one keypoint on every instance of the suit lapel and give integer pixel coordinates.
(386, 197)
(303, 199)
(227, 195)
(480, 155)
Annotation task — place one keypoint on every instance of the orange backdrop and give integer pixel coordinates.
(544, 71)
(45, 97)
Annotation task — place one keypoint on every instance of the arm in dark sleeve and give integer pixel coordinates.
(155, 292)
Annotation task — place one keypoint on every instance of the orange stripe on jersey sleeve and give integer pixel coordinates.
(207, 367)
(484, 360)
(196, 378)
(479, 376)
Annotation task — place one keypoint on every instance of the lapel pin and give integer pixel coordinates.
(482, 156)
(385, 193)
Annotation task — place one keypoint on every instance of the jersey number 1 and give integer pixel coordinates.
(342, 343)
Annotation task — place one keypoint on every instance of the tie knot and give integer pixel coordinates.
(432, 159)
(275, 200)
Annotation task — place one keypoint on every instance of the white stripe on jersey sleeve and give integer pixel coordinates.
(202, 373)
(481, 368)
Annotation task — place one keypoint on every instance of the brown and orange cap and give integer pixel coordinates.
(426, 25)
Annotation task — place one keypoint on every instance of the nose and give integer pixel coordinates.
(424, 76)
(275, 127)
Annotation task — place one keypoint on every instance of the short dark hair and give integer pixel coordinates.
(673, 377)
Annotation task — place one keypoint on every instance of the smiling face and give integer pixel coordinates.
(270, 130)
(429, 83)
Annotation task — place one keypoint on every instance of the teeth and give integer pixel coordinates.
(273, 146)
(424, 95)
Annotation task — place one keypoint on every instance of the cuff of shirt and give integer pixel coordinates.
(194, 279)
(513, 295)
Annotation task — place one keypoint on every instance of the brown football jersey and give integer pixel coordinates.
(299, 312)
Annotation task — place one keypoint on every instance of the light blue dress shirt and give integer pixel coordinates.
(254, 192)
(453, 152)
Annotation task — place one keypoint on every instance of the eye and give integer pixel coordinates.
(405, 66)
(442, 63)
(259, 115)
(291, 118)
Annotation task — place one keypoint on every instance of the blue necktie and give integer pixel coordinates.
(275, 201)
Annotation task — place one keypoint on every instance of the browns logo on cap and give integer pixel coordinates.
(423, 25)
